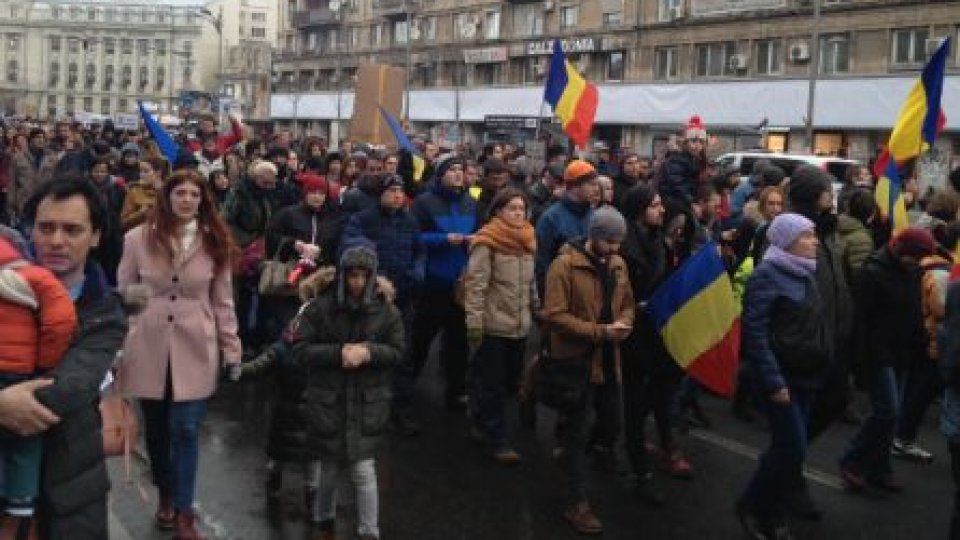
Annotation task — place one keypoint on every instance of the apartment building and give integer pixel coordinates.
(65, 57)
(741, 64)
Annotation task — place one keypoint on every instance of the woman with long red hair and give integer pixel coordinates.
(182, 258)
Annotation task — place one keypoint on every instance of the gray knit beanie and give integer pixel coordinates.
(606, 224)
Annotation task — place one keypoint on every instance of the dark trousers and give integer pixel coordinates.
(955, 470)
(922, 385)
(172, 431)
(781, 467)
(436, 312)
(831, 400)
(575, 433)
(869, 451)
(646, 392)
(495, 374)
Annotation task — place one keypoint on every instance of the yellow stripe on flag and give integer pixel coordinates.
(906, 140)
(567, 106)
(702, 322)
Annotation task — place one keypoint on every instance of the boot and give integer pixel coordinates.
(582, 519)
(186, 528)
(18, 528)
(165, 516)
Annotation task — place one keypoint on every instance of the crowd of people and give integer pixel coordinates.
(330, 271)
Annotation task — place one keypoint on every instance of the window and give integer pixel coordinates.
(188, 47)
(769, 57)
(161, 17)
(146, 16)
(126, 46)
(107, 76)
(126, 15)
(161, 75)
(428, 28)
(187, 74)
(143, 47)
(57, 13)
(109, 46)
(160, 46)
(110, 15)
(126, 76)
(909, 46)
(569, 15)
(834, 54)
(13, 42)
(71, 104)
(527, 20)
(376, 35)
(354, 38)
(614, 18)
(88, 104)
(668, 10)
(487, 74)
(144, 76)
(122, 104)
(334, 39)
(666, 64)
(51, 105)
(258, 17)
(14, 12)
(105, 105)
(55, 44)
(615, 66)
(399, 32)
(13, 71)
(72, 74)
(91, 14)
(90, 46)
(258, 32)
(90, 75)
(491, 25)
(73, 45)
(75, 13)
(54, 74)
(713, 59)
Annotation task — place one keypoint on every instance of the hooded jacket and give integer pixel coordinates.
(561, 222)
(857, 243)
(441, 211)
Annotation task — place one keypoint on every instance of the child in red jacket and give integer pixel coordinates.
(37, 323)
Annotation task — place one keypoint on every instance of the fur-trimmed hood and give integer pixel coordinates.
(326, 276)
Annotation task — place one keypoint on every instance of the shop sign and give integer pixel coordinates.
(508, 123)
(487, 55)
(700, 8)
(574, 45)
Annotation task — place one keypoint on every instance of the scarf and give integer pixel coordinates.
(790, 263)
(500, 236)
(185, 242)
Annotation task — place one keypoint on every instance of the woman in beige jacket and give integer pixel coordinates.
(500, 299)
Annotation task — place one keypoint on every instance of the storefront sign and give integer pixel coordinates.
(126, 121)
(507, 123)
(575, 45)
(488, 55)
(699, 8)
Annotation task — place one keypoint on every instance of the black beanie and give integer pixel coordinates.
(806, 185)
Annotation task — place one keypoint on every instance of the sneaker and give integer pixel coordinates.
(582, 519)
(679, 467)
(910, 450)
(506, 456)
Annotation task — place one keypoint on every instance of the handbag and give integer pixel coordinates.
(120, 426)
(561, 385)
(274, 278)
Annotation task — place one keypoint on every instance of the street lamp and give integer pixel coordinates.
(814, 72)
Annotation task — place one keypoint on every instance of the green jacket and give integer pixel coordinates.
(857, 245)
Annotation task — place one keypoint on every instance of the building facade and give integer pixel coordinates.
(680, 56)
(98, 56)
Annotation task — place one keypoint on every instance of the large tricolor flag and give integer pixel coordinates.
(574, 100)
(404, 143)
(699, 319)
(921, 120)
(164, 141)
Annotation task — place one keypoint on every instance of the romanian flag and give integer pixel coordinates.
(574, 100)
(164, 141)
(403, 142)
(699, 320)
(921, 120)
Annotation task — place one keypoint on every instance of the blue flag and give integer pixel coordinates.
(167, 147)
(403, 142)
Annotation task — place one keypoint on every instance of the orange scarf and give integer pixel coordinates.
(499, 236)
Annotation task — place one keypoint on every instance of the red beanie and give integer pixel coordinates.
(695, 128)
(913, 242)
(311, 183)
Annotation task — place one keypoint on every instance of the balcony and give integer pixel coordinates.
(316, 17)
(394, 8)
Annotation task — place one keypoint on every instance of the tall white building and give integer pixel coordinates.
(248, 36)
(64, 57)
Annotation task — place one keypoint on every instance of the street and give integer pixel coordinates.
(441, 485)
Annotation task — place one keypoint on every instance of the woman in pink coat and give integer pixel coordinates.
(172, 354)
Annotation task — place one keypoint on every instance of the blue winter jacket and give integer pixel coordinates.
(771, 288)
(399, 252)
(441, 211)
(560, 223)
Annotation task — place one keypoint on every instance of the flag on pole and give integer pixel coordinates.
(699, 320)
(166, 144)
(403, 142)
(921, 120)
(574, 100)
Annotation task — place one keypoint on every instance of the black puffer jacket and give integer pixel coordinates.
(248, 210)
(74, 484)
(679, 178)
(347, 411)
(302, 223)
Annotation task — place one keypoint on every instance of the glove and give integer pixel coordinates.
(474, 336)
(135, 298)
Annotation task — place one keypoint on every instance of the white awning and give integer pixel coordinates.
(851, 103)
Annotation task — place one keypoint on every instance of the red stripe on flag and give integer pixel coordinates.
(717, 368)
(581, 124)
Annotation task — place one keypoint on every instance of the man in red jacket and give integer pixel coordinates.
(208, 128)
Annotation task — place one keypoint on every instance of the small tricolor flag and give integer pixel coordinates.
(574, 100)
(403, 142)
(921, 120)
(164, 141)
(699, 320)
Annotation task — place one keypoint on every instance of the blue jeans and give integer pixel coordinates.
(869, 451)
(781, 466)
(172, 430)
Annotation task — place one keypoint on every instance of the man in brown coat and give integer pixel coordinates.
(588, 311)
(28, 170)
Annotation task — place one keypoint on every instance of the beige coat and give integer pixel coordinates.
(500, 293)
(188, 323)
